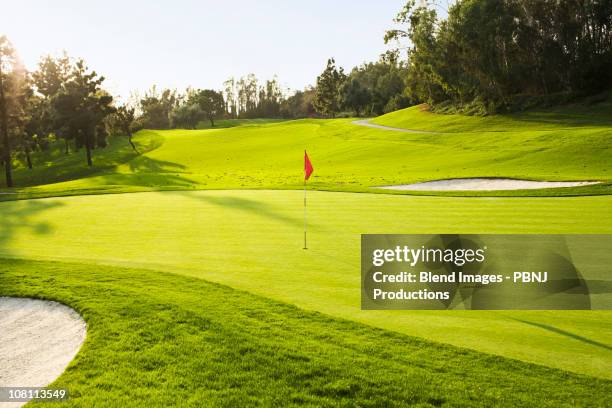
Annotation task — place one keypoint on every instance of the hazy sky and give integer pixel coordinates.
(200, 43)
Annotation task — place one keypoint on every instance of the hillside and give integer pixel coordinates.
(540, 145)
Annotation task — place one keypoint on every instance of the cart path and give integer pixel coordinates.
(366, 122)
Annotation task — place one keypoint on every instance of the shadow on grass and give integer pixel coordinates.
(147, 172)
(572, 115)
(247, 205)
(55, 166)
(144, 164)
(17, 216)
(565, 333)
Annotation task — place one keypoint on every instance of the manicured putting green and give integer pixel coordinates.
(252, 240)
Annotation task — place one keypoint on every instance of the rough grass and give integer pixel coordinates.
(164, 340)
(568, 118)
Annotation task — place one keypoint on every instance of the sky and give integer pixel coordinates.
(181, 43)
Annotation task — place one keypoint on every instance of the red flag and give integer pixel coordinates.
(308, 169)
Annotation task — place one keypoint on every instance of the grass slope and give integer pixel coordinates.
(251, 240)
(568, 118)
(347, 157)
(55, 165)
(164, 340)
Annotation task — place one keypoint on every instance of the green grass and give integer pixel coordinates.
(568, 118)
(227, 123)
(347, 157)
(163, 340)
(55, 165)
(252, 240)
(246, 233)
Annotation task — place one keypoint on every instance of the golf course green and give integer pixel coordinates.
(186, 259)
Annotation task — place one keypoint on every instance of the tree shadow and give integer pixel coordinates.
(598, 286)
(147, 172)
(246, 205)
(145, 164)
(16, 216)
(581, 117)
(565, 333)
(55, 166)
(153, 172)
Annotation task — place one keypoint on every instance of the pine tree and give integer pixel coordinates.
(327, 99)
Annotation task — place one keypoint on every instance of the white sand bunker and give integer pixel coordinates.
(37, 341)
(486, 184)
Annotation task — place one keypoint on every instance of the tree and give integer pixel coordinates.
(49, 79)
(327, 99)
(156, 108)
(298, 105)
(125, 120)
(12, 80)
(81, 106)
(51, 75)
(230, 94)
(488, 53)
(247, 96)
(355, 96)
(187, 115)
(269, 100)
(33, 132)
(211, 103)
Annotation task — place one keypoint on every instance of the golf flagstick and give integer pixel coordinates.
(305, 214)
(308, 169)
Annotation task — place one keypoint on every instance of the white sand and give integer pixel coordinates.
(486, 184)
(38, 339)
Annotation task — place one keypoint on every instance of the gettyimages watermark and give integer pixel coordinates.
(496, 272)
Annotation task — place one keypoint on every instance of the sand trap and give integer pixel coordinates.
(37, 341)
(486, 184)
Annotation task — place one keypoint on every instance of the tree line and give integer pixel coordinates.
(496, 55)
(486, 56)
(63, 100)
(369, 89)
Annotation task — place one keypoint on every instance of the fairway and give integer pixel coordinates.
(251, 240)
(540, 146)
